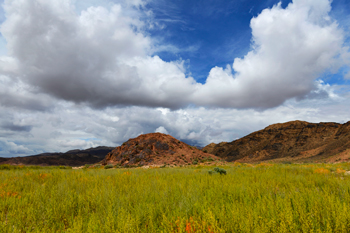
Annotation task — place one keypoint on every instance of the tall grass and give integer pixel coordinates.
(259, 198)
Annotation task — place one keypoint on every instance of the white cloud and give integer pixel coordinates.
(291, 48)
(11, 148)
(161, 129)
(102, 56)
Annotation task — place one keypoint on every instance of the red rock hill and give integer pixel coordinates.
(291, 141)
(156, 149)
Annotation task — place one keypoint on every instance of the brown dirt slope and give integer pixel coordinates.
(291, 141)
(156, 149)
(69, 158)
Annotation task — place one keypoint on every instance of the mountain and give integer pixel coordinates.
(156, 149)
(69, 158)
(292, 141)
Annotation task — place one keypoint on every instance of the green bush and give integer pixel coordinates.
(218, 170)
(209, 159)
(87, 166)
(221, 171)
(108, 166)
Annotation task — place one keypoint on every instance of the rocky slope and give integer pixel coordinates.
(291, 141)
(156, 149)
(69, 158)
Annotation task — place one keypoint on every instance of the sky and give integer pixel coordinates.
(76, 74)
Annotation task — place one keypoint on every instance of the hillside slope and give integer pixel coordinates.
(291, 141)
(156, 149)
(69, 158)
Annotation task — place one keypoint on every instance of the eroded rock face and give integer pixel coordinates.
(155, 149)
(291, 141)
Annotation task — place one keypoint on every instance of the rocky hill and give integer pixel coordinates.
(156, 149)
(291, 141)
(69, 158)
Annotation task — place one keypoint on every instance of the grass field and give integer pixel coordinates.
(250, 198)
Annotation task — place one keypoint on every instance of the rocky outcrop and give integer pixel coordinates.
(291, 141)
(156, 149)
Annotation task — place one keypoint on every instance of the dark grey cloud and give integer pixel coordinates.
(16, 100)
(12, 127)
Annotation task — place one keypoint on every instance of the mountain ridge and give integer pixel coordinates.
(289, 141)
(75, 157)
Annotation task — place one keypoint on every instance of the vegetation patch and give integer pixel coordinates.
(250, 198)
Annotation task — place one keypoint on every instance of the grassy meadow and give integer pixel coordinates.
(250, 198)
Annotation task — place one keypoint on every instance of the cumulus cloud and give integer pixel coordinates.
(103, 56)
(100, 56)
(290, 48)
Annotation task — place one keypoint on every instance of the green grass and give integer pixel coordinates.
(259, 198)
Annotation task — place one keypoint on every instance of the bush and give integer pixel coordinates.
(108, 166)
(220, 170)
(87, 166)
(209, 159)
(216, 170)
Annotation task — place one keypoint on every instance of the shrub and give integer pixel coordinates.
(108, 166)
(221, 171)
(87, 166)
(137, 160)
(209, 159)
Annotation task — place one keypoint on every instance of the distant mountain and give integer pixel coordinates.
(292, 141)
(156, 149)
(69, 158)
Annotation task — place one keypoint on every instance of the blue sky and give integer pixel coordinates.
(209, 33)
(213, 33)
(84, 73)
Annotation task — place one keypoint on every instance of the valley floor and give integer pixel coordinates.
(250, 198)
